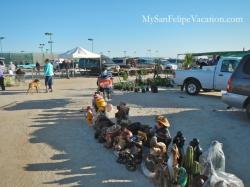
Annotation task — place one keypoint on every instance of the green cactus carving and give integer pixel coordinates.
(189, 159)
(196, 169)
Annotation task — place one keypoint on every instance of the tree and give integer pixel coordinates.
(188, 61)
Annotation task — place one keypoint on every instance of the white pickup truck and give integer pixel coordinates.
(208, 78)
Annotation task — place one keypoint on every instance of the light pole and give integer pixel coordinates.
(50, 41)
(1, 38)
(156, 53)
(101, 62)
(92, 43)
(149, 52)
(109, 52)
(41, 47)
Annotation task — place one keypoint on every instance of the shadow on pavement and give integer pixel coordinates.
(81, 161)
(39, 104)
(12, 92)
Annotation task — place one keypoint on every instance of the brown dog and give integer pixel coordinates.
(35, 84)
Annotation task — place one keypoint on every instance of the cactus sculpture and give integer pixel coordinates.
(195, 143)
(189, 159)
(188, 163)
(179, 140)
(196, 169)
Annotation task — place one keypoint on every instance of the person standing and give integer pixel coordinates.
(105, 83)
(1, 75)
(67, 68)
(38, 67)
(48, 73)
(11, 68)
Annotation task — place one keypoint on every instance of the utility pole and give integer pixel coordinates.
(1, 45)
(92, 42)
(50, 41)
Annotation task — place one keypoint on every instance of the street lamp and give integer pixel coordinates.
(149, 52)
(92, 42)
(50, 40)
(109, 52)
(1, 38)
(156, 53)
(41, 47)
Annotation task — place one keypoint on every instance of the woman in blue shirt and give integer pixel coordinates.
(48, 73)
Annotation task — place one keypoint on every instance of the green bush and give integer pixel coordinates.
(124, 75)
(118, 86)
(188, 61)
(158, 81)
(168, 71)
(128, 85)
(142, 72)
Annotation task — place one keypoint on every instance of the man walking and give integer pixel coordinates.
(48, 73)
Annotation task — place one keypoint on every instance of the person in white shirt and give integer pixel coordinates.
(11, 68)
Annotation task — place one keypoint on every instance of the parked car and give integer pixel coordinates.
(145, 63)
(123, 62)
(238, 88)
(94, 65)
(169, 65)
(208, 78)
(26, 66)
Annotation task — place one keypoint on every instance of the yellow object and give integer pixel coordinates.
(100, 102)
(89, 117)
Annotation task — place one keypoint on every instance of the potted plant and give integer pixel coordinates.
(143, 89)
(154, 87)
(188, 61)
(137, 89)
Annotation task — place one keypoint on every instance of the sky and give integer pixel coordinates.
(119, 25)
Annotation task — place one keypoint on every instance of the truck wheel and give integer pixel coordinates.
(248, 110)
(192, 87)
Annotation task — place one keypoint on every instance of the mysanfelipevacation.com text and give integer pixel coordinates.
(172, 19)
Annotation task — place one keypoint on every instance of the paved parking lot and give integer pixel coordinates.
(45, 141)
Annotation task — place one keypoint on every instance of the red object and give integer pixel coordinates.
(105, 83)
(230, 85)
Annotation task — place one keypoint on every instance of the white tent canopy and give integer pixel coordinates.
(77, 53)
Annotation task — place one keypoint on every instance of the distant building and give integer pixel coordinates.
(23, 58)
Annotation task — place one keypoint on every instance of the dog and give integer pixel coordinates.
(35, 84)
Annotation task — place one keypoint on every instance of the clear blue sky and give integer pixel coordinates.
(117, 25)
